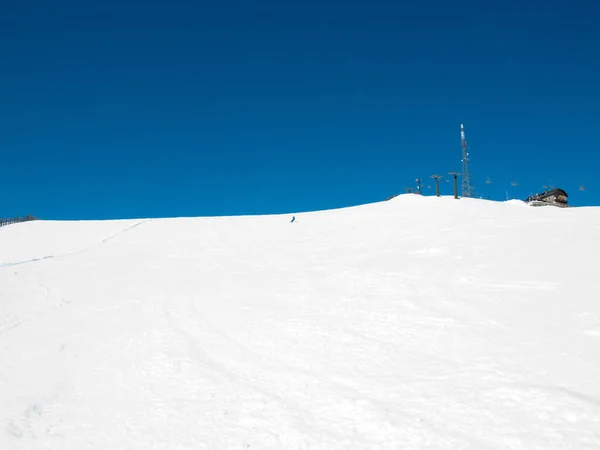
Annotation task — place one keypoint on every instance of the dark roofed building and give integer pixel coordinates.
(554, 197)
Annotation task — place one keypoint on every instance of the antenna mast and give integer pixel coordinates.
(467, 189)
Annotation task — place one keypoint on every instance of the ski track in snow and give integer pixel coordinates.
(352, 328)
(78, 252)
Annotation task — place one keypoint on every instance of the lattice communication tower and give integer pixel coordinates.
(467, 189)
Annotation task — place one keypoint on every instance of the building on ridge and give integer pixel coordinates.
(553, 197)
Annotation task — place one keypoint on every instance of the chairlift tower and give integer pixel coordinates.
(455, 175)
(467, 189)
(418, 180)
(437, 184)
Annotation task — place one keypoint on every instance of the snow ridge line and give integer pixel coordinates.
(77, 252)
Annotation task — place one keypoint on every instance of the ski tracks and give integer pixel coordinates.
(250, 379)
(77, 252)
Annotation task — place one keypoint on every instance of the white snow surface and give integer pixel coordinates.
(416, 323)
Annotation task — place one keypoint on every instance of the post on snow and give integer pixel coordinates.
(455, 175)
(437, 184)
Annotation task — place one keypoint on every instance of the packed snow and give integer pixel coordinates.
(416, 323)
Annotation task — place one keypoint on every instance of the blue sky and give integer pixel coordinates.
(121, 109)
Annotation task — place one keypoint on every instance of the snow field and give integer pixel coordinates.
(420, 322)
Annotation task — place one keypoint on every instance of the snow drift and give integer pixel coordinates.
(420, 322)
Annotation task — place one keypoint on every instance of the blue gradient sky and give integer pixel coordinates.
(121, 109)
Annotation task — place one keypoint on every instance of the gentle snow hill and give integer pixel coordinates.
(421, 322)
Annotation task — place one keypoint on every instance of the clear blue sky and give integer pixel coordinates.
(119, 109)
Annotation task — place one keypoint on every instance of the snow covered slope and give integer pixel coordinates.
(421, 322)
